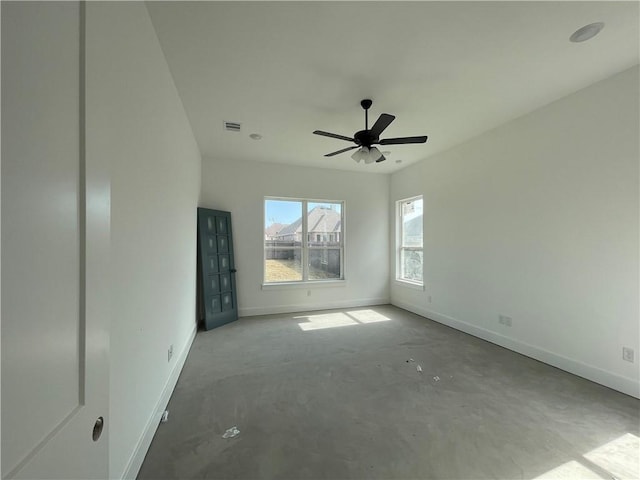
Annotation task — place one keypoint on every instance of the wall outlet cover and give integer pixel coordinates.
(628, 355)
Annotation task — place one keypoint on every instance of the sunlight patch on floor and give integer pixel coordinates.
(570, 471)
(340, 319)
(619, 458)
(326, 320)
(368, 316)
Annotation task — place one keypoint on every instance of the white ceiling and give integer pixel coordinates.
(450, 70)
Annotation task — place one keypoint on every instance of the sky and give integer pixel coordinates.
(286, 212)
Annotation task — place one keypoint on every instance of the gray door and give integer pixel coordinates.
(217, 268)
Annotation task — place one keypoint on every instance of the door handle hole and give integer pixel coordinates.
(97, 429)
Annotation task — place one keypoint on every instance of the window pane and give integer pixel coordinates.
(283, 265)
(282, 221)
(411, 262)
(412, 223)
(324, 224)
(324, 263)
(289, 237)
(283, 241)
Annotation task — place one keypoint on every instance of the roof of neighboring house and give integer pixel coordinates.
(414, 226)
(319, 220)
(323, 220)
(273, 229)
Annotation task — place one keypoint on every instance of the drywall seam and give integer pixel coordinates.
(364, 302)
(143, 444)
(612, 380)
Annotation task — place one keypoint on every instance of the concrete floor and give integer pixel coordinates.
(333, 395)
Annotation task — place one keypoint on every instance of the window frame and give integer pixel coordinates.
(400, 247)
(305, 241)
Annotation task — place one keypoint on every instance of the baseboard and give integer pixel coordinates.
(603, 377)
(309, 307)
(136, 459)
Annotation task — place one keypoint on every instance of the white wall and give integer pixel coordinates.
(240, 187)
(139, 126)
(538, 220)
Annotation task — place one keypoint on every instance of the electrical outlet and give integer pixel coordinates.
(170, 353)
(308, 293)
(504, 320)
(628, 354)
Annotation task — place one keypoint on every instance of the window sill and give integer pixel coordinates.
(412, 285)
(307, 285)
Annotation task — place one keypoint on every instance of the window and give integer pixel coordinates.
(301, 248)
(410, 255)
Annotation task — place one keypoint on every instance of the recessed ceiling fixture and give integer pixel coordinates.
(398, 161)
(255, 136)
(587, 32)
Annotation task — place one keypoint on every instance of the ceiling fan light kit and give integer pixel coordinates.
(365, 139)
(369, 155)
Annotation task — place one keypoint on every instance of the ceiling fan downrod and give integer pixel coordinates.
(366, 104)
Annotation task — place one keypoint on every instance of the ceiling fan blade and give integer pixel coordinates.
(384, 120)
(398, 141)
(333, 135)
(341, 151)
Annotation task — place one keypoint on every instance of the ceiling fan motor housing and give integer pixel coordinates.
(365, 138)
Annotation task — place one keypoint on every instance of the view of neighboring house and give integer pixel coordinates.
(323, 225)
(412, 231)
(272, 230)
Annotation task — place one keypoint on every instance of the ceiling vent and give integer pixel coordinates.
(232, 126)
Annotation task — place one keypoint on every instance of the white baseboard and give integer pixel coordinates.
(308, 307)
(137, 457)
(612, 380)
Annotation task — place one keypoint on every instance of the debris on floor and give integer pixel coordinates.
(436, 378)
(419, 368)
(165, 416)
(410, 360)
(232, 432)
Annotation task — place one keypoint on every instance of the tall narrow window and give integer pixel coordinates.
(303, 240)
(410, 254)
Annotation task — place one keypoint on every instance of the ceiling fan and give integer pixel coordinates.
(365, 139)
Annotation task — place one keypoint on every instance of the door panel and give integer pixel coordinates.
(227, 302)
(224, 263)
(221, 227)
(215, 304)
(215, 247)
(211, 244)
(214, 281)
(225, 282)
(212, 264)
(223, 246)
(54, 252)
